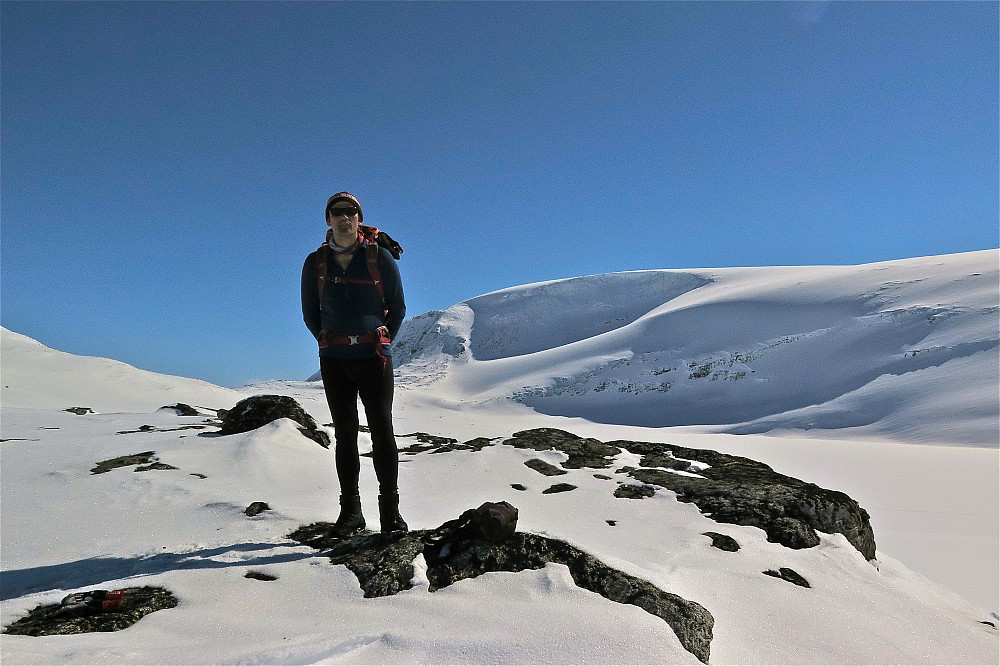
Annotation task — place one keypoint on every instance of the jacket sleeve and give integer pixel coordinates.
(393, 292)
(310, 297)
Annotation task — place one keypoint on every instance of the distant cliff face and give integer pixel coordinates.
(862, 349)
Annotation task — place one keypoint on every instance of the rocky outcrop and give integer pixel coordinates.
(559, 488)
(543, 467)
(582, 452)
(256, 508)
(182, 409)
(144, 458)
(792, 576)
(745, 492)
(50, 619)
(259, 410)
(633, 491)
(728, 489)
(384, 566)
(723, 542)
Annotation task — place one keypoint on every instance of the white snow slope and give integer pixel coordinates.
(36, 376)
(904, 350)
(64, 529)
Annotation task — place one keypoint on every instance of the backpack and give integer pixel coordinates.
(375, 239)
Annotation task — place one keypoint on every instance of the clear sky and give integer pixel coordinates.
(165, 165)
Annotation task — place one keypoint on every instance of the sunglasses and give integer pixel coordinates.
(349, 211)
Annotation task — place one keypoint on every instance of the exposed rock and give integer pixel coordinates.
(633, 491)
(543, 467)
(425, 438)
(414, 449)
(256, 508)
(143, 458)
(257, 575)
(139, 602)
(559, 488)
(603, 477)
(746, 492)
(153, 466)
(723, 542)
(518, 486)
(790, 575)
(200, 476)
(731, 490)
(259, 410)
(182, 409)
(611, 522)
(477, 444)
(582, 452)
(384, 566)
(79, 411)
(665, 461)
(149, 428)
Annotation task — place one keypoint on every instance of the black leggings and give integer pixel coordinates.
(344, 380)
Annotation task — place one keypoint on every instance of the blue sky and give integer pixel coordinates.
(165, 165)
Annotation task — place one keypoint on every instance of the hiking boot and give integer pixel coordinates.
(350, 521)
(388, 509)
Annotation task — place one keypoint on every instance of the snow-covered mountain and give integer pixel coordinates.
(907, 350)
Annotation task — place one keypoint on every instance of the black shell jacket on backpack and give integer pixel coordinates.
(351, 309)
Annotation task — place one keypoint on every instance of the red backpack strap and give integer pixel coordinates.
(371, 256)
(319, 269)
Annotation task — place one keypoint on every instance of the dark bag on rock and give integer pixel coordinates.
(494, 521)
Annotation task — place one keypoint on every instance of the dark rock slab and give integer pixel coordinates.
(603, 477)
(139, 602)
(154, 466)
(612, 523)
(632, 491)
(384, 567)
(144, 458)
(543, 467)
(259, 410)
(582, 452)
(182, 409)
(256, 508)
(559, 488)
(79, 411)
(434, 440)
(723, 542)
(665, 461)
(518, 486)
(149, 428)
(784, 573)
(477, 444)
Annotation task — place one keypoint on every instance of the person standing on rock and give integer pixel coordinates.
(354, 319)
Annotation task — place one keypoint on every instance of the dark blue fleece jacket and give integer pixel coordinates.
(350, 309)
